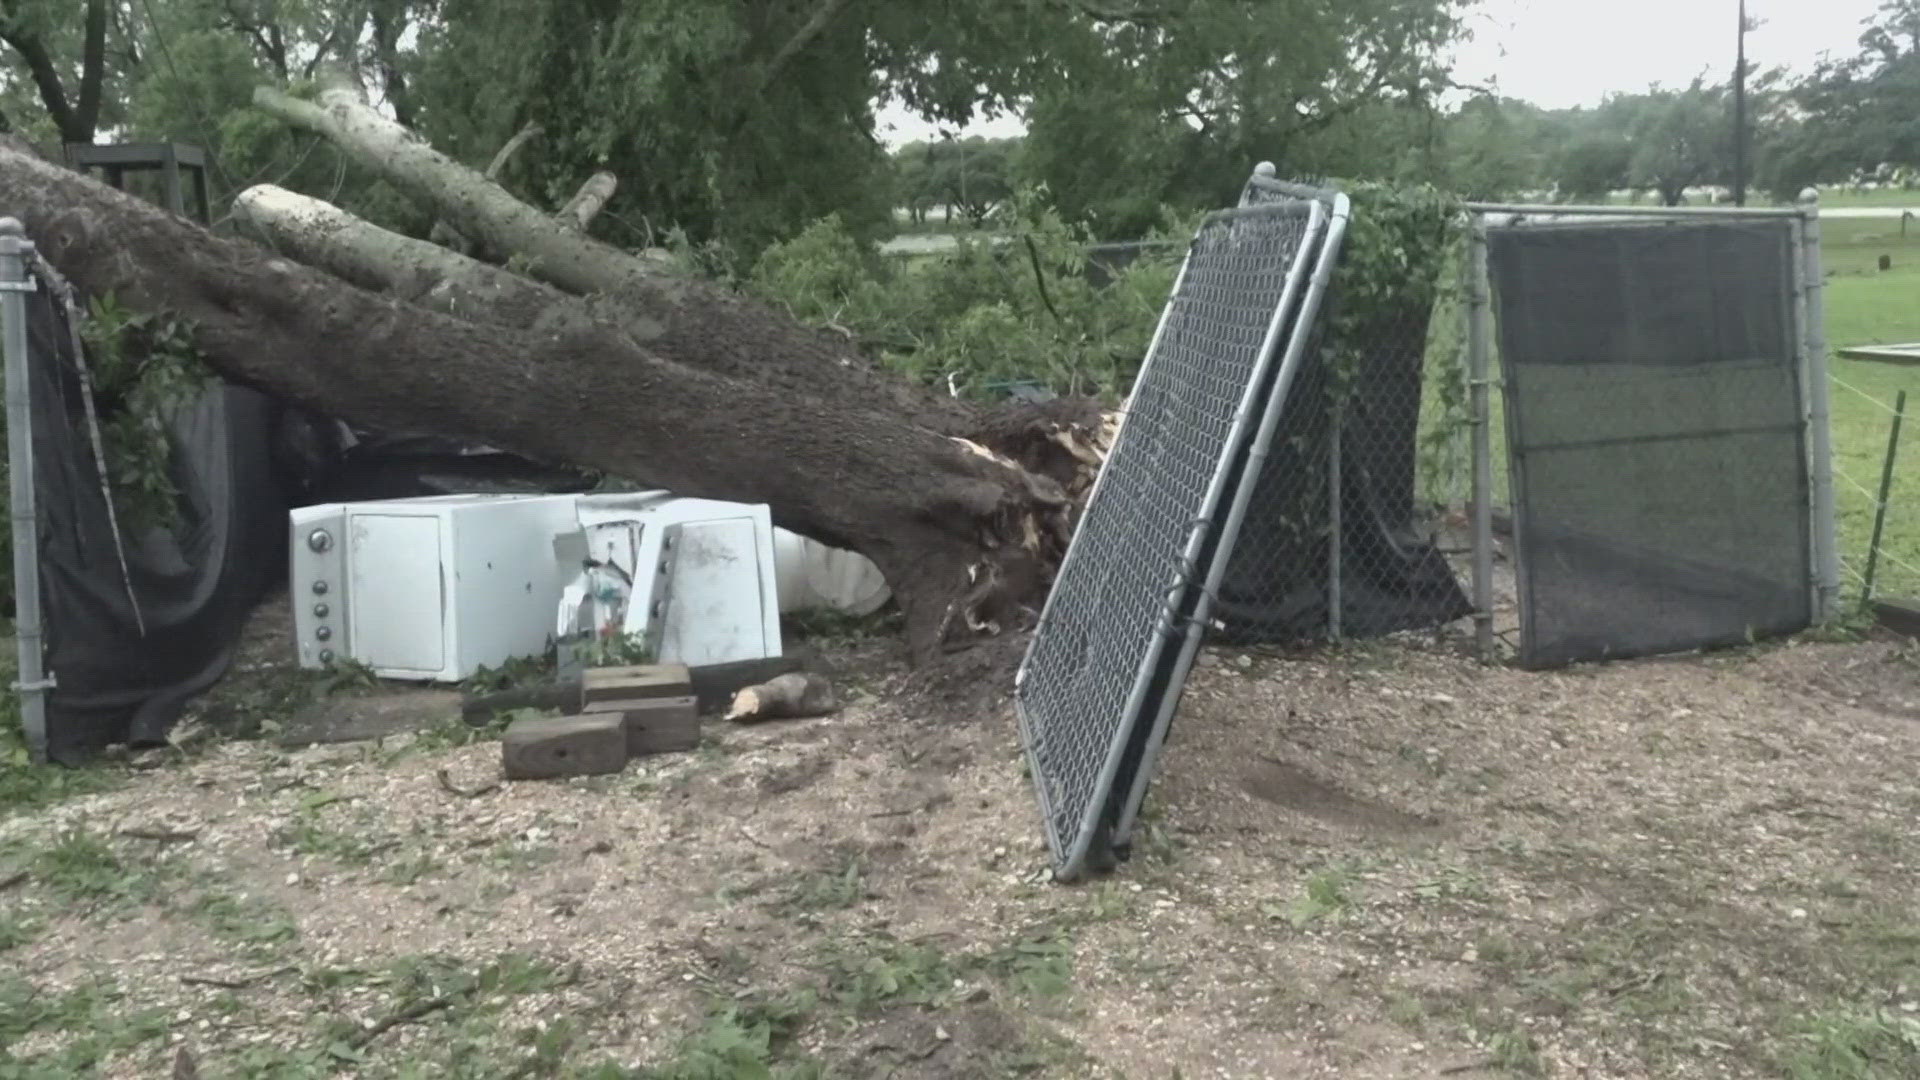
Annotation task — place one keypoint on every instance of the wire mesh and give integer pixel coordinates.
(1874, 471)
(1377, 414)
(1084, 686)
(1657, 435)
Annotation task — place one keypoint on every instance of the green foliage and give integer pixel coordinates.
(144, 369)
(81, 867)
(1140, 108)
(746, 1039)
(1328, 893)
(972, 177)
(257, 925)
(615, 650)
(1397, 270)
(1680, 138)
(1856, 1044)
(23, 785)
(993, 311)
(84, 1025)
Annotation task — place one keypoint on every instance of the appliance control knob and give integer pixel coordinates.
(326, 656)
(321, 611)
(319, 588)
(320, 540)
(325, 633)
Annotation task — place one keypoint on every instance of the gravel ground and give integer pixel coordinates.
(1386, 861)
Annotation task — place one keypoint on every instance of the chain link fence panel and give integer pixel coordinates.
(1105, 656)
(1377, 414)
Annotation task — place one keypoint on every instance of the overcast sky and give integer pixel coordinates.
(1561, 53)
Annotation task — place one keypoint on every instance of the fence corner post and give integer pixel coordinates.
(32, 683)
(1824, 541)
(1479, 407)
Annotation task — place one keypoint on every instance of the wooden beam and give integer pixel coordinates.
(546, 748)
(661, 725)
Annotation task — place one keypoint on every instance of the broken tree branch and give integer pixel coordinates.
(477, 207)
(587, 202)
(320, 234)
(815, 25)
(418, 1010)
(445, 234)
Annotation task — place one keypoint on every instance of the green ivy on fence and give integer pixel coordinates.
(144, 368)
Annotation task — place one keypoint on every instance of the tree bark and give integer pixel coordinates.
(694, 322)
(445, 234)
(475, 206)
(944, 519)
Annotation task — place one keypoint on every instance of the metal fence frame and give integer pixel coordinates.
(33, 681)
(1071, 860)
(1810, 362)
(1340, 211)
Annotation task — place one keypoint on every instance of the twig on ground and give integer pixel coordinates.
(754, 840)
(18, 877)
(239, 983)
(447, 785)
(419, 1010)
(159, 834)
(1467, 1066)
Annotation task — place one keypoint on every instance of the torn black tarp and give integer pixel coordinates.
(240, 461)
(195, 582)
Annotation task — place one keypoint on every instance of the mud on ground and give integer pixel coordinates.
(1385, 861)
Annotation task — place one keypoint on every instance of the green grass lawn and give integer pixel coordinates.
(1865, 305)
(1843, 198)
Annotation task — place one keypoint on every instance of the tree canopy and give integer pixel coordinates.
(733, 125)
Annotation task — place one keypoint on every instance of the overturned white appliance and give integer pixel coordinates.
(698, 577)
(435, 588)
(431, 588)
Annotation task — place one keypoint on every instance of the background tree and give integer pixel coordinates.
(73, 54)
(1680, 139)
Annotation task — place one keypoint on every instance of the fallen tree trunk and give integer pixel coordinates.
(694, 322)
(322, 235)
(955, 529)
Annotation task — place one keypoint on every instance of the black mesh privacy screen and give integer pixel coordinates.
(1653, 414)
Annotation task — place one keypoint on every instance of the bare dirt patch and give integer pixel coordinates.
(1385, 861)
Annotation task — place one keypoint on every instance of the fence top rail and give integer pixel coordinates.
(1553, 210)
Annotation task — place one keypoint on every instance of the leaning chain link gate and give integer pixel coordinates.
(1099, 675)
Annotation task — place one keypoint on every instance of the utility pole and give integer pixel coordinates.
(1740, 111)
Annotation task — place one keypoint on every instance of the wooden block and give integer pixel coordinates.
(654, 725)
(645, 681)
(545, 748)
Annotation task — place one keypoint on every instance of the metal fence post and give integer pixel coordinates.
(32, 684)
(1479, 407)
(1825, 544)
(1336, 538)
(1886, 491)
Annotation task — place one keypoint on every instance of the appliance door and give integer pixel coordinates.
(397, 620)
(718, 609)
